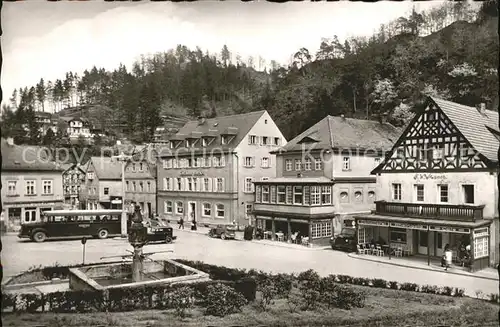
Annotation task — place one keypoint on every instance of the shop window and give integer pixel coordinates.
(422, 238)
(481, 243)
(30, 215)
(321, 229)
(365, 235)
(468, 192)
(398, 235)
(179, 207)
(219, 211)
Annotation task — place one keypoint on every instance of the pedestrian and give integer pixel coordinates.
(448, 256)
(181, 223)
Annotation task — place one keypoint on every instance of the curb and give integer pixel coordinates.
(355, 256)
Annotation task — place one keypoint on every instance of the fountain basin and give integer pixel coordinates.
(119, 275)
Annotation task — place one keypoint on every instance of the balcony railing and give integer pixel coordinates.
(430, 211)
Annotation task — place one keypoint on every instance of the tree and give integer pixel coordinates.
(383, 96)
(40, 91)
(49, 137)
(225, 55)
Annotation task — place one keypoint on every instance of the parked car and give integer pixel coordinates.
(223, 231)
(345, 241)
(159, 231)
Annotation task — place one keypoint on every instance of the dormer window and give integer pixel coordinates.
(223, 140)
(188, 143)
(204, 142)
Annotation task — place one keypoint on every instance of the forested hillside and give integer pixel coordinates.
(450, 52)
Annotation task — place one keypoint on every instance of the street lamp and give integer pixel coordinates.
(123, 159)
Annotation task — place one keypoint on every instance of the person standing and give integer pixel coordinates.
(181, 223)
(448, 256)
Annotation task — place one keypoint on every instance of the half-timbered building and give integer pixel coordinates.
(438, 186)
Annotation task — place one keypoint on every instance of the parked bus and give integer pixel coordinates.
(73, 223)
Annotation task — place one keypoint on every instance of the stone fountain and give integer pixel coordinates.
(137, 237)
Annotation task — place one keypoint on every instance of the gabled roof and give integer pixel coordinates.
(69, 166)
(473, 125)
(345, 133)
(148, 154)
(106, 168)
(26, 157)
(241, 123)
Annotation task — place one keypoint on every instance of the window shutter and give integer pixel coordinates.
(209, 185)
(222, 161)
(222, 190)
(214, 184)
(253, 185)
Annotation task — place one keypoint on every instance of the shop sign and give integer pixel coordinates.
(409, 226)
(31, 204)
(192, 173)
(448, 229)
(299, 221)
(429, 176)
(373, 223)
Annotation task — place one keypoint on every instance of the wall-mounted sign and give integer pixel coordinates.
(429, 176)
(450, 229)
(373, 223)
(409, 226)
(192, 173)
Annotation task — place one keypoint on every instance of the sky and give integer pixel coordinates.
(47, 39)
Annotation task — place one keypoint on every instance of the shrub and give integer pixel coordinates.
(393, 285)
(379, 283)
(222, 300)
(343, 279)
(431, 289)
(283, 284)
(267, 293)
(310, 278)
(448, 291)
(494, 298)
(409, 287)
(346, 297)
(182, 300)
(247, 287)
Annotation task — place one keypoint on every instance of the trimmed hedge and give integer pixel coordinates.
(242, 281)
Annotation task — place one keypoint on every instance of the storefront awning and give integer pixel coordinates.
(422, 224)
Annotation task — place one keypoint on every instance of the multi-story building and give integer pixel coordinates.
(73, 179)
(323, 178)
(140, 180)
(77, 127)
(438, 185)
(46, 122)
(103, 184)
(31, 184)
(206, 171)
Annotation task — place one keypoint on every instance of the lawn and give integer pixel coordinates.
(383, 307)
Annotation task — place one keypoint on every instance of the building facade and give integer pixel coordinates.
(206, 171)
(103, 184)
(73, 179)
(140, 180)
(31, 184)
(77, 127)
(438, 186)
(323, 178)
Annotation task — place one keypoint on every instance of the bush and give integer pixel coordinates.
(182, 300)
(347, 298)
(222, 300)
(409, 287)
(379, 283)
(393, 285)
(267, 293)
(283, 284)
(431, 289)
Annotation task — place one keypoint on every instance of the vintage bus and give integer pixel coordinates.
(73, 223)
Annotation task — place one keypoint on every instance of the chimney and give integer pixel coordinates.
(201, 120)
(10, 141)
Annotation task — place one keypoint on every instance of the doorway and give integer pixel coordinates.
(438, 239)
(150, 212)
(192, 211)
(423, 241)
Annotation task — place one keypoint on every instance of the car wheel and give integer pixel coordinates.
(39, 237)
(168, 239)
(103, 234)
(210, 234)
(222, 236)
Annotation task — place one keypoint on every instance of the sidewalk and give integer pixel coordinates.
(239, 237)
(417, 263)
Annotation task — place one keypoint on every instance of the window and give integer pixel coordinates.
(277, 141)
(149, 186)
(377, 161)
(179, 184)
(219, 208)
(297, 164)
(318, 165)
(47, 187)
(133, 167)
(141, 166)
(141, 186)
(358, 196)
(258, 193)
(220, 184)
(190, 184)
(206, 185)
(297, 195)
(481, 243)
(90, 175)
(134, 186)
(167, 164)
(326, 195)
(30, 188)
(315, 195)
(265, 162)
(127, 186)
(29, 214)
(252, 139)
(199, 162)
(288, 164)
(12, 188)
(437, 152)
(207, 210)
(168, 207)
(371, 196)
(468, 192)
(346, 163)
(273, 194)
(423, 238)
(443, 193)
(344, 197)
(264, 140)
(397, 235)
(249, 162)
(289, 195)
(248, 210)
(248, 185)
(265, 193)
(365, 235)
(223, 140)
(179, 207)
(188, 143)
(419, 193)
(322, 229)
(106, 191)
(396, 192)
(281, 193)
(207, 162)
(203, 142)
(307, 164)
(195, 184)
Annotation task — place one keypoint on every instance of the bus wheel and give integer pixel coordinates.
(39, 237)
(168, 239)
(102, 234)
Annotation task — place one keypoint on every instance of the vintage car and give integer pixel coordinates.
(159, 231)
(345, 241)
(223, 231)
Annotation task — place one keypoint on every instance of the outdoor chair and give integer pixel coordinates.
(305, 241)
(373, 250)
(380, 251)
(359, 249)
(293, 237)
(365, 248)
(398, 252)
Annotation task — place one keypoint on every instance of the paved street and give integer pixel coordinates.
(19, 255)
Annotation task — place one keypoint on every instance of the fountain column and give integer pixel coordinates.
(137, 237)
